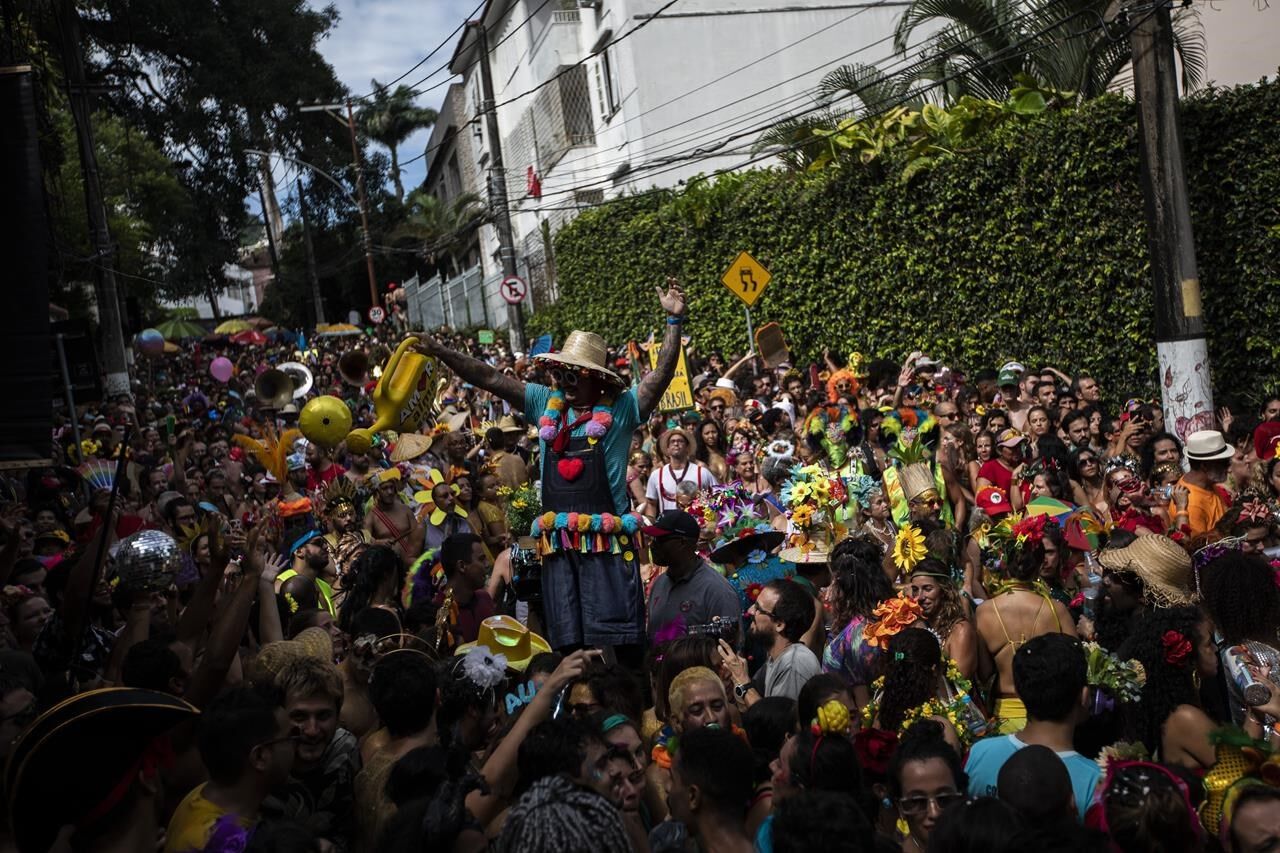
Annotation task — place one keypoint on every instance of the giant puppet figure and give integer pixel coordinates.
(591, 590)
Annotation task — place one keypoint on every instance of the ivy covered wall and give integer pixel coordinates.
(1030, 245)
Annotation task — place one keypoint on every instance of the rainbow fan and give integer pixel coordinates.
(98, 473)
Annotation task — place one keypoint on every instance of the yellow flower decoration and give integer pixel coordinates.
(427, 509)
(833, 718)
(802, 516)
(908, 548)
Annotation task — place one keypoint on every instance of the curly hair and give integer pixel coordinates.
(368, 572)
(950, 606)
(1239, 592)
(825, 762)
(912, 668)
(860, 584)
(923, 742)
(1168, 685)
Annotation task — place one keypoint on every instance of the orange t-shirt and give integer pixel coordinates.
(1204, 508)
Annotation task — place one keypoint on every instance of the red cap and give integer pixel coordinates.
(993, 501)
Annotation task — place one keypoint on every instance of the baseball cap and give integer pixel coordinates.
(674, 522)
(1008, 377)
(1015, 366)
(1010, 438)
(926, 364)
(296, 461)
(993, 501)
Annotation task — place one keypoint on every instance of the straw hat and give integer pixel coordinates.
(503, 635)
(666, 439)
(117, 726)
(506, 423)
(411, 445)
(1208, 445)
(583, 349)
(1163, 565)
(275, 657)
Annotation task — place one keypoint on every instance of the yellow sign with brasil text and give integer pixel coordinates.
(746, 278)
(679, 394)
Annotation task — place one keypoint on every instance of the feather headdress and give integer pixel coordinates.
(272, 450)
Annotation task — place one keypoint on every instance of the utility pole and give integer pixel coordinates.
(109, 320)
(1185, 391)
(498, 187)
(311, 254)
(266, 223)
(350, 122)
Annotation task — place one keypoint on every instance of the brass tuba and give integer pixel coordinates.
(354, 367)
(282, 384)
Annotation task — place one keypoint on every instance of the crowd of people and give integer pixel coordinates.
(859, 605)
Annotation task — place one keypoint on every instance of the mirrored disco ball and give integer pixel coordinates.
(148, 561)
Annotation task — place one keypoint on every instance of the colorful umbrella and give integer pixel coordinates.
(259, 323)
(230, 327)
(179, 330)
(336, 330)
(252, 336)
(1052, 507)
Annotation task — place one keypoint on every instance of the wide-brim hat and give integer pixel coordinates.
(70, 763)
(410, 445)
(1208, 445)
(666, 438)
(506, 423)
(1163, 565)
(509, 637)
(274, 658)
(734, 549)
(586, 350)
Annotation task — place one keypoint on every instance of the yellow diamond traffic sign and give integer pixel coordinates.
(746, 278)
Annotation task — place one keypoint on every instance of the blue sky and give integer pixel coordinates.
(382, 39)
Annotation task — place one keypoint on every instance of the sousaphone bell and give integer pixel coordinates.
(281, 384)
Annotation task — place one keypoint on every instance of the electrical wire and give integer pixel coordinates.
(705, 152)
(674, 163)
(447, 39)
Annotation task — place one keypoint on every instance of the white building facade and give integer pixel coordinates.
(626, 100)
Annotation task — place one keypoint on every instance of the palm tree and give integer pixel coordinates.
(1062, 44)
(390, 118)
(442, 229)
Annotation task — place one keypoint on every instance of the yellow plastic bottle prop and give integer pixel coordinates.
(400, 401)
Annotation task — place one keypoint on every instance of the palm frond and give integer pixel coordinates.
(1189, 43)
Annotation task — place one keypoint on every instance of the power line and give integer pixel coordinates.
(671, 164)
(751, 64)
(447, 39)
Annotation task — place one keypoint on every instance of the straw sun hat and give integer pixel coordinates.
(1162, 565)
(586, 350)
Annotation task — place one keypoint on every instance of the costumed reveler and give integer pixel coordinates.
(346, 540)
(591, 589)
(744, 542)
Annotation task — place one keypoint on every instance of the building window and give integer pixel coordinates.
(606, 86)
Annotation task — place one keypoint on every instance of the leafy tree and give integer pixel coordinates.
(390, 118)
(442, 229)
(1062, 44)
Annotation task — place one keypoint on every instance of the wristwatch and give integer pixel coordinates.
(741, 690)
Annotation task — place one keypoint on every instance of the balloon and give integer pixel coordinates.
(150, 342)
(325, 421)
(220, 368)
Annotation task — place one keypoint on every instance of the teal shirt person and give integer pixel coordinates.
(616, 442)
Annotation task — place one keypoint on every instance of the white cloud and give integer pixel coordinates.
(384, 38)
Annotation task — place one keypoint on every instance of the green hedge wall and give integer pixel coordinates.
(1031, 247)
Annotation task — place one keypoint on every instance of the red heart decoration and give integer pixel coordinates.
(570, 469)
